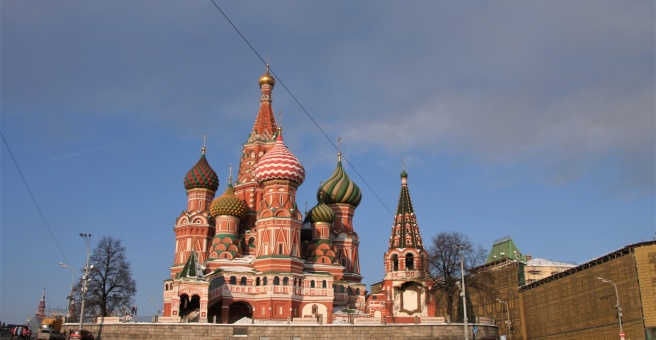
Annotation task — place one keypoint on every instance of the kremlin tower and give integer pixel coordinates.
(249, 253)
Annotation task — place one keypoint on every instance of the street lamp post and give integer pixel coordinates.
(617, 299)
(71, 297)
(154, 303)
(462, 291)
(87, 240)
(507, 311)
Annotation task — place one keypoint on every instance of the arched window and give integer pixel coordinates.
(233, 280)
(184, 300)
(276, 281)
(285, 281)
(395, 262)
(242, 282)
(357, 291)
(257, 281)
(315, 309)
(341, 289)
(409, 261)
(312, 284)
(265, 281)
(324, 284)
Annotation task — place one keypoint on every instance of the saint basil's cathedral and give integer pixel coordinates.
(249, 253)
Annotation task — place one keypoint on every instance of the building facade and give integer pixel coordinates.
(250, 253)
(585, 302)
(534, 298)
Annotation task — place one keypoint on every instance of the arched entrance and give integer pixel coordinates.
(214, 312)
(239, 310)
(189, 308)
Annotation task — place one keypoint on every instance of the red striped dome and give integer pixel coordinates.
(279, 163)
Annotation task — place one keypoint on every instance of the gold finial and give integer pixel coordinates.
(267, 78)
(280, 118)
(204, 140)
(230, 175)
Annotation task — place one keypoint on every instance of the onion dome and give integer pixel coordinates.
(229, 204)
(201, 175)
(321, 212)
(267, 78)
(279, 163)
(339, 188)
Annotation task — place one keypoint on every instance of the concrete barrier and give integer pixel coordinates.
(168, 319)
(176, 331)
(433, 319)
(109, 319)
(305, 321)
(367, 321)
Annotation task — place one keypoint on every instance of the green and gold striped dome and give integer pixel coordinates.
(229, 204)
(339, 188)
(321, 213)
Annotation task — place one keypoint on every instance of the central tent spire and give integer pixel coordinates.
(265, 126)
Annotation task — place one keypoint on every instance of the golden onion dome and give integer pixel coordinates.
(229, 204)
(267, 78)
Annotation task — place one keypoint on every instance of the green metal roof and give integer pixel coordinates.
(505, 248)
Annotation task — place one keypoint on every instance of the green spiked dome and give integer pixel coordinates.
(339, 188)
(229, 204)
(201, 176)
(321, 213)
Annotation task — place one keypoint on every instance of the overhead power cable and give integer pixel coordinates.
(38, 208)
(281, 82)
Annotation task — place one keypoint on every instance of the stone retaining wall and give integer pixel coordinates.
(178, 331)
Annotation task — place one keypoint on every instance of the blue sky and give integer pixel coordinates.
(534, 120)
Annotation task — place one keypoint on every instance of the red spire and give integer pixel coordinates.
(265, 125)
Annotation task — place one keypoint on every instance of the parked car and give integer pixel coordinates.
(81, 334)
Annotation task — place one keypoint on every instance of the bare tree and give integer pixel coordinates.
(444, 256)
(110, 289)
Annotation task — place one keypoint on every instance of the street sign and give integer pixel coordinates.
(475, 330)
(622, 335)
